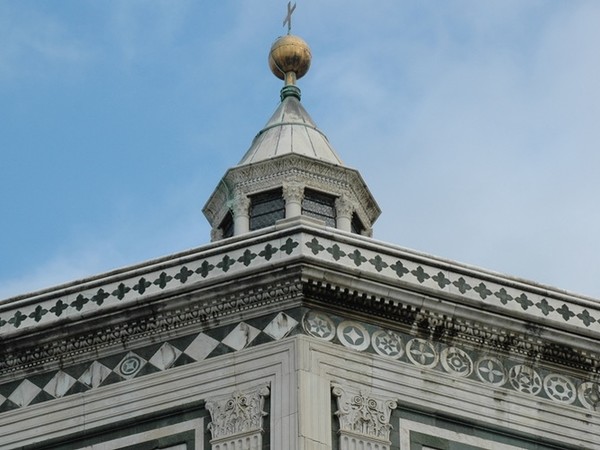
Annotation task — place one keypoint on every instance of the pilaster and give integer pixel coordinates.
(237, 419)
(364, 419)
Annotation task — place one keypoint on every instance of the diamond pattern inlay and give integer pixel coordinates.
(59, 384)
(165, 357)
(201, 347)
(280, 326)
(25, 393)
(95, 375)
(241, 336)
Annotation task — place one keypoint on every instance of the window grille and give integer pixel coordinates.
(266, 208)
(319, 206)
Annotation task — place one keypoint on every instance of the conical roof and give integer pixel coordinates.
(290, 130)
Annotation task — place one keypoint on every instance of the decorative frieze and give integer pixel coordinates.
(363, 418)
(459, 360)
(237, 419)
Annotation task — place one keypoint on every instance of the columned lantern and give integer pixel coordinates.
(290, 169)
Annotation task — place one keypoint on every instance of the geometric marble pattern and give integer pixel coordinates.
(147, 360)
(453, 360)
(551, 306)
(132, 289)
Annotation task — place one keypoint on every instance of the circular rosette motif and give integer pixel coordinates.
(422, 353)
(490, 370)
(589, 395)
(525, 379)
(353, 335)
(456, 361)
(560, 388)
(387, 343)
(318, 325)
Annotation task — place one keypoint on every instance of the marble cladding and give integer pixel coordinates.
(358, 256)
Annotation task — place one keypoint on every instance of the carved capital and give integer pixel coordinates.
(344, 206)
(362, 415)
(240, 205)
(293, 192)
(240, 413)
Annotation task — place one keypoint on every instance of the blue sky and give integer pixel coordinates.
(475, 124)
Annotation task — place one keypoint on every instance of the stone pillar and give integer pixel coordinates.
(241, 214)
(364, 420)
(293, 194)
(216, 234)
(237, 419)
(343, 210)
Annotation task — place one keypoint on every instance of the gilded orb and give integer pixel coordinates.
(289, 58)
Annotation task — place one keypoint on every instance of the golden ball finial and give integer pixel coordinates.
(289, 58)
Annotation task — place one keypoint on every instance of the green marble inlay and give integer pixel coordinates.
(483, 291)
(162, 280)
(79, 302)
(142, 285)
(314, 246)
(268, 252)
(357, 257)
(17, 319)
(462, 285)
(121, 291)
(183, 274)
(524, 301)
(204, 269)
(399, 269)
(226, 263)
(504, 296)
(100, 296)
(59, 308)
(247, 257)
(585, 317)
(544, 306)
(38, 313)
(441, 280)
(420, 274)
(336, 252)
(289, 246)
(378, 263)
(565, 312)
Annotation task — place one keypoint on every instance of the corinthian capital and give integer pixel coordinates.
(363, 415)
(293, 192)
(344, 206)
(240, 413)
(240, 205)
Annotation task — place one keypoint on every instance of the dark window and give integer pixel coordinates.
(320, 206)
(266, 208)
(356, 225)
(227, 225)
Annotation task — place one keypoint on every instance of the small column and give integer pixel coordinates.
(237, 419)
(344, 212)
(216, 234)
(293, 194)
(364, 419)
(241, 214)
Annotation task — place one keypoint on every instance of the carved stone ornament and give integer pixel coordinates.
(293, 192)
(238, 414)
(241, 205)
(344, 206)
(362, 415)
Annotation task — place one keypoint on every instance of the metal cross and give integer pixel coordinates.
(288, 17)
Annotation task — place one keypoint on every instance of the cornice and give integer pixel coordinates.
(441, 290)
